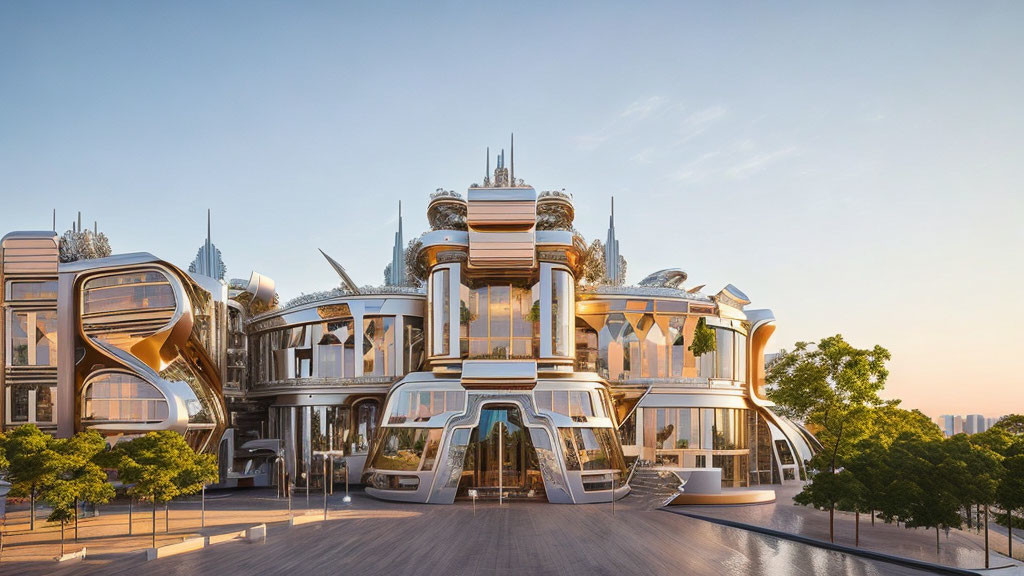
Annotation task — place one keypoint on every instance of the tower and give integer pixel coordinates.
(611, 252)
(397, 274)
(208, 260)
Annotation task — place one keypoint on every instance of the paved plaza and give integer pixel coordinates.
(959, 548)
(374, 537)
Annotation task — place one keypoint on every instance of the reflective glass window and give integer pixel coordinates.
(561, 312)
(441, 313)
(379, 346)
(336, 349)
(33, 338)
(46, 290)
(120, 397)
(126, 292)
(724, 353)
(407, 449)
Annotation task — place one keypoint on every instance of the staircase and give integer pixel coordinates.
(654, 487)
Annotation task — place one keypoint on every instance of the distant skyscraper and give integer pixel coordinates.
(208, 261)
(397, 275)
(951, 424)
(974, 424)
(611, 252)
(990, 422)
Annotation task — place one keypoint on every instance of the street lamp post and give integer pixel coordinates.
(202, 514)
(325, 486)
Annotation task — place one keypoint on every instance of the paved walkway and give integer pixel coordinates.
(374, 537)
(958, 548)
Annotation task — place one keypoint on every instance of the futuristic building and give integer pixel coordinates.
(503, 356)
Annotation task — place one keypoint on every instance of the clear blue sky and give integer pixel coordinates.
(857, 168)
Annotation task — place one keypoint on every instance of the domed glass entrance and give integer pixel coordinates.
(500, 457)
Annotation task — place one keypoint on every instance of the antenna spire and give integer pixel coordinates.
(512, 160)
(54, 219)
(208, 236)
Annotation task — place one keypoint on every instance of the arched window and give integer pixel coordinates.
(121, 397)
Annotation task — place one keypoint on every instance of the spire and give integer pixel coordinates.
(54, 219)
(345, 279)
(208, 260)
(611, 251)
(397, 275)
(487, 174)
(79, 229)
(512, 160)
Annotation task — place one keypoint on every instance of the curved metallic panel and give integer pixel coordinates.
(262, 288)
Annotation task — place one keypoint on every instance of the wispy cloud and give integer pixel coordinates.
(759, 162)
(622, 123)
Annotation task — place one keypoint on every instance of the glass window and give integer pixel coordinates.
(724, 353)
(741, 357)
(366, 425)
(413, 344)
(561, 312)
(34, 338)
(34, 290)
(677, 341)
(126, 292)
(407, 449)
(336, 349)
(379, 346)
(441, 313)
(597, 449)
(655, 350)
(422, 405)
(500, 321)
(120, 397)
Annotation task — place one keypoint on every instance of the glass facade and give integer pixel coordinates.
(499, 321)
(121, 397)
(734, 439)
(422, 405)
(379, 346)
(638, 345)
(33, 338)
(440, 293)
(562, 312)
(406, 449)
(125, 292)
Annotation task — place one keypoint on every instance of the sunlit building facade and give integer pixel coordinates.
(502, 357)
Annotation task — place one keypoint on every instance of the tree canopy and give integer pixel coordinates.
(162, 466)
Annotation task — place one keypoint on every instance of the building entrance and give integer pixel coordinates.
(500, 457)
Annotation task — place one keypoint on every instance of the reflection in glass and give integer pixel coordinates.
(379, 346)
(34, 338)
(561, 312)
(441, 312)
(120, 397)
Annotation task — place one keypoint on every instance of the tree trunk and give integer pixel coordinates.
(856, 521)
(167, 517)
(936, 538)
(872, 516)
(154, 522)
(76, 520)
(831, 529)
(61, 537)
(1009, 527)
(32, 509)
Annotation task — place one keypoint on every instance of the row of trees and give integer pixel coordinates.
(881, 459)
(63, 472)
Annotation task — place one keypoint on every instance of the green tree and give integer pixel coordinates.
(1012, 423)
(832, 387)
(31, 463)
(828, 490)
(1010, 493)
(76, 477)
(162, 466)
(704, 339)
